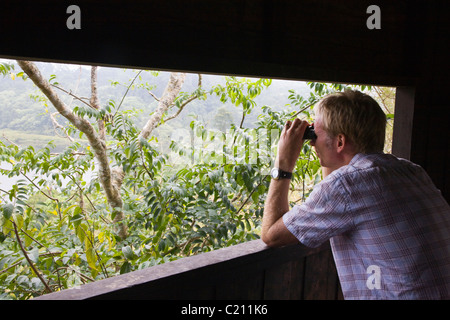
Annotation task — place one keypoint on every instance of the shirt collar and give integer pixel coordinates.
(359, 156)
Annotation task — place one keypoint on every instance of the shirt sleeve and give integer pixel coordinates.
(323, 215)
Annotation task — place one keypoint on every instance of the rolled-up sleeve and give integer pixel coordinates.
(323, 215)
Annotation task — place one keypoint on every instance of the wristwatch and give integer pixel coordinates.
(278, 174)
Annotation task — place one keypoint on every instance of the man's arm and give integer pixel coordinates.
(273, 231)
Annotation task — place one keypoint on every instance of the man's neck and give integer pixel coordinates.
(344, 160)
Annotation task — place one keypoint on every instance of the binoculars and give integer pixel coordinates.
(309, 133)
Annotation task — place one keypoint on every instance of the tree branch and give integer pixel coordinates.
(301, 110)
(40, 190)
(190, 99)
(36, 272)
(180, 109)
(56, 125)
(153, 95)
(170, 93)
(10, 267)
(96, 104)
(72, 95)
(126, 92)
(250, 195)
(81, 124)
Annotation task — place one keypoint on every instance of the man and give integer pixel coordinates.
(388, 225)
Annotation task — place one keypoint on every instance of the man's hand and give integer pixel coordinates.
(290, 144)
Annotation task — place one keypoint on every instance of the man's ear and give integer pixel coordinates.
(340, 142)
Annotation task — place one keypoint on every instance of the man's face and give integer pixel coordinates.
(324, 146)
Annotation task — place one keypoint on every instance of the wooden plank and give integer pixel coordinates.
(333, 285)
(277, 282)
(177, 287)
(241, 285)
(297, 279)
(446, 189)
(429, 136)
(403, 122)
(201, 272)
(285, 281)
(320, 281)
(438, 144)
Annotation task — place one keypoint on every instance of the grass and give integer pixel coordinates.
(24, 139)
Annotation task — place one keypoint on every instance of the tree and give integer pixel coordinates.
(111, 183)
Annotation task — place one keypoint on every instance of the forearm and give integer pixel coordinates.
(276, 205)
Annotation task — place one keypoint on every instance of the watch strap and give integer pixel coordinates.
(284, 174)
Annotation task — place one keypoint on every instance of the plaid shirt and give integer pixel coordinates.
(388, 225)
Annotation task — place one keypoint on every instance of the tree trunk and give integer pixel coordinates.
(98, 144)
(170, 93)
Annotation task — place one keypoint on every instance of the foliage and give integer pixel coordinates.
(5, 68)
(241, 92)
(206, 192)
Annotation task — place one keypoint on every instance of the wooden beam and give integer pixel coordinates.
(403, 122)
(237, 272)
(301, 39)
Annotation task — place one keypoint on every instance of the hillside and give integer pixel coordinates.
(25, 114)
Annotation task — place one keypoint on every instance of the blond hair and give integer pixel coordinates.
(355, 115)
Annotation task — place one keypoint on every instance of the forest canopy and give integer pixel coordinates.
(106, 171)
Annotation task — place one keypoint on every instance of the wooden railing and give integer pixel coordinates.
(246, 271)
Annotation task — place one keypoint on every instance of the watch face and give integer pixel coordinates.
(275, 173)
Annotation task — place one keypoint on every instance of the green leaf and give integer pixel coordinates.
(91, 258)
(76, 219)
(80, 232)
(34, 255)
(8, 210)
(247, 180)
(125, 268)
(162, 245)
(68, 208)
(129, 253)
(18, 220)
(255, 197)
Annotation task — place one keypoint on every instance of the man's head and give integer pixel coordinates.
(355, 115)
(348, 123)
